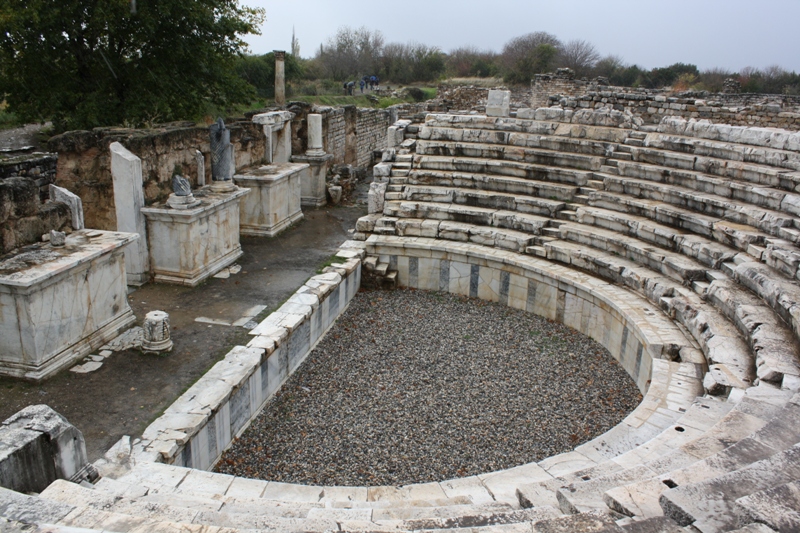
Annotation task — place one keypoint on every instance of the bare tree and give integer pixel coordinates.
(470, 61)
(351, 52)
(579, 55)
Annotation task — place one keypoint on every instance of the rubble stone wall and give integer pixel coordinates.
(334, 130)
(39, 167)
(84, 161)
(762, 110)
(371, 128)
(779, 113)
(471, 98)
(24, 217)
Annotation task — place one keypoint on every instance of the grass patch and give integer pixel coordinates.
(328, 262)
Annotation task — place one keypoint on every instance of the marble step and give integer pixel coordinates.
(606, 169)
(621, 156)
(540, 172)
(757, 194)
(583, 496)
(488, 199)
(479, 216)
(711, 505)
(660, 524)
(26, 509)
(704, 250)
(489, 182)
(698, 418)
(778, 292)
(737, 211)
(564, 143)
(775, 345)
(730, 443)
(762, 166)
(523, 517)
(778, 507)
(731, 234)
(540, 156)
(673, 265)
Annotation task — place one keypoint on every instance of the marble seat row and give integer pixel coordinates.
(711, 241)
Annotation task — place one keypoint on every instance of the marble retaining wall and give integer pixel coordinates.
(633, 331)
(202, 423)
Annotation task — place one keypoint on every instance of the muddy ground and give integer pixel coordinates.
(130, 390)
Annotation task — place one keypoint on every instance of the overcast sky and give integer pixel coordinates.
(730, 34)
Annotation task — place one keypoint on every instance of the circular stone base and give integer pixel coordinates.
(414, 386)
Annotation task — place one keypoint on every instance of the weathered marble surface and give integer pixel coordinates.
(278, 131)
(188, 246)
(312, 181)
(38, 446)
(274, 200)
(59, 304)
(126, 173)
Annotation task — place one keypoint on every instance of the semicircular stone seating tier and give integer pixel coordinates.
(676, 248)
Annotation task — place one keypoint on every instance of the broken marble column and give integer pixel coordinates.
(499, 104)
(126, 173)
(59, 194)
(156, 330)
(314, 122)
(313, 193)
(57, 238)
(221, 175)
(182, 197)
(376, 197)
(280, 78)
(201, 168)
(39, 446)
(278, 132)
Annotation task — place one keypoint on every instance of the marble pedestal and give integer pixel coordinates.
(57, 305)
(187, 246)
(313, 192)
(274, 200)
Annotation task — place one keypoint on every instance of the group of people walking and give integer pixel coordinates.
(370, 82)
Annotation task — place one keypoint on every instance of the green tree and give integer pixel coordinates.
(530, 54)
(86, 63)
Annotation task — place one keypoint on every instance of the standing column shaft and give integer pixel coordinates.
(280, 78)
(314, 135)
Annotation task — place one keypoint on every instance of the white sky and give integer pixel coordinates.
(729, 34)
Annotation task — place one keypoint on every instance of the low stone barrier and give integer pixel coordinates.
(203, 422)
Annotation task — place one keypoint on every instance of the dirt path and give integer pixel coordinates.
(130, 389)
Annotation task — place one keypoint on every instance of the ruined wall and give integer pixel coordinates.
(24, 218)
(349, 133)
(764, 110)
(471, 98)
(371, 128)
(334, 129)
(41, 168)
(84, 161)
(775, 111)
